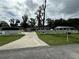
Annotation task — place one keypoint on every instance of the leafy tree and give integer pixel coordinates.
(0, 24)
(60, 22)
(39, 16)
(32, 22)
(25, 18)
(14, 22)
(17, 21)
(3, 24)
(24, 24)
(50, 22)
(73, 22)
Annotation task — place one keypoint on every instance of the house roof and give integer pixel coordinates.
(64, 27)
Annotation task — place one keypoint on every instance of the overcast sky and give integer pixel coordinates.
(55, 8)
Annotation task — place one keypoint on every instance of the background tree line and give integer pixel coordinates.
(31, 23)
(74, 22)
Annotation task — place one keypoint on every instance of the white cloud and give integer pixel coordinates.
(11, 8)
(55, 8)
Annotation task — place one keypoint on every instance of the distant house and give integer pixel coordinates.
(64, 28)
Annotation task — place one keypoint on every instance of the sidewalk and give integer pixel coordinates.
(29, 40)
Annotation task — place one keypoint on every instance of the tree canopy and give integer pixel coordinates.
(62, 22)
(4, 24)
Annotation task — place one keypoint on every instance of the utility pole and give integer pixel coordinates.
(44, 13)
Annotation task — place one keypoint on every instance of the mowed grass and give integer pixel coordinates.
(9, 38)
(59, 39)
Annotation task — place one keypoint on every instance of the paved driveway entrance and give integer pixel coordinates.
(29, 40)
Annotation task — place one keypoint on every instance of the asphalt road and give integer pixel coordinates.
(54, 52)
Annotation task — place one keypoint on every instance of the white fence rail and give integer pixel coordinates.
(58, 31)
(8, 32)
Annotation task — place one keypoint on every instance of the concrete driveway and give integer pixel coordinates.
(29, 40)
(55, 52)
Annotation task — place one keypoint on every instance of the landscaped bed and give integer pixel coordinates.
(9, 38)
(59, 39)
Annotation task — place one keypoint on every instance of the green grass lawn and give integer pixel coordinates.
(9, 38)
(59, 39)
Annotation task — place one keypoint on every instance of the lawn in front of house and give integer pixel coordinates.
(59, 39)
(9, 38)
